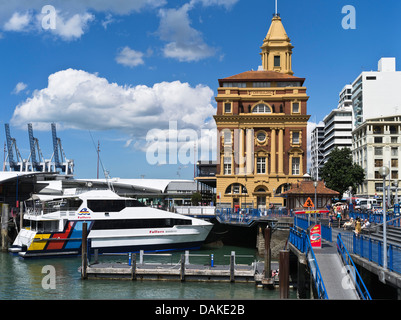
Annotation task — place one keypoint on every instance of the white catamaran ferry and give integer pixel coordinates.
(114, 224)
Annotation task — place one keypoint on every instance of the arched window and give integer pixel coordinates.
(236, 188)
(261, 108)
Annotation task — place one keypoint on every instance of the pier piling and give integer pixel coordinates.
(4, 226)
(84, 262)
(267, 280)
(284, 274)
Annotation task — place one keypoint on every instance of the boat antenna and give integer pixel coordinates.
(99, 159)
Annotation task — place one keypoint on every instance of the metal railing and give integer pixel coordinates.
(248, 215)
(302, 242)
(303, 223)
(372, 250)
(352, 270)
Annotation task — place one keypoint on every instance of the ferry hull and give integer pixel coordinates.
(35, 244)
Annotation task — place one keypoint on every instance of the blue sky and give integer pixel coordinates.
(125, 70)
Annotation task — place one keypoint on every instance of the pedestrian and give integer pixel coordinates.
(358, 226)
(339, 218)
(331, 220)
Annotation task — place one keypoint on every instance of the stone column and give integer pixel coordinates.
(249, 149)
(273, 152)
(241, 157)
(280, 151)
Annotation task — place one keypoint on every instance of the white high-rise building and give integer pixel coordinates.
(317, 148)
(377, 143)
(377, 93)
(335, 132)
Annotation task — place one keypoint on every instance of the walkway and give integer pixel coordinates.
(333, 272)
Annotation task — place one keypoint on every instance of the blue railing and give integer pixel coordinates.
(349, 264)
(302, 222)
(372, 250)
(302, 242)
(377, 218)
(247, 216)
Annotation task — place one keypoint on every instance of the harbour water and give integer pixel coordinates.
(28, 280)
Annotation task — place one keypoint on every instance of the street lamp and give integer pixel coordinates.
(396, 191)
(315, 184)
(383, 171)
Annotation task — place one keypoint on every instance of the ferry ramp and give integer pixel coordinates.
(334, 274)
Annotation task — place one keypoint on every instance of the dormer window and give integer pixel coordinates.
(261, 108)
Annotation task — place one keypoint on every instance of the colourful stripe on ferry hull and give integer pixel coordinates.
(69, 239)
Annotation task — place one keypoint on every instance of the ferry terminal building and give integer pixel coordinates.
(262, 123)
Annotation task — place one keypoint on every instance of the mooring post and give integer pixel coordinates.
(284, 274)
(268, 271)
(133, 267)
(232, 266)
(84, 262)
(4, 226)
(21, 216)
(182, 270)
(140, 256)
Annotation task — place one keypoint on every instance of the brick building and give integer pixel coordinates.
(262, 123)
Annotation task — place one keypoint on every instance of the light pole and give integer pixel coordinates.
(350, 198)
(315, 184)
(384, 172)
(396, 191)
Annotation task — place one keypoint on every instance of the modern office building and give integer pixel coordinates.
(262, 123)
(377, 143)
(377, 93)
(334, 132)
(337, 130)
(317, 149)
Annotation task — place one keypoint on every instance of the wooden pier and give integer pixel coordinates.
(180, 271)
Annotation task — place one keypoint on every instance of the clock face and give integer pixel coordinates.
(261, 136)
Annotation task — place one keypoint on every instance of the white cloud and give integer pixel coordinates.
(19, 87)
(73, 16)
(70, 28)
(81, 100)
(18, 22)
(184, 42)
(129, 57)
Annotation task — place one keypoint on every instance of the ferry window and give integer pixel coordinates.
(109, 224)
(112, 205)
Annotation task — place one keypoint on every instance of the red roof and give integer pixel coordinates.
(262, 75)
(307, 187)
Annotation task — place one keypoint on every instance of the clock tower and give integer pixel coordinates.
(262, 123)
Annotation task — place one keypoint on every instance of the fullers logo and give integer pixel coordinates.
(84, 213)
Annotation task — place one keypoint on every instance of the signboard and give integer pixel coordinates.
(316, 236)
(311, 211)
(308, 203)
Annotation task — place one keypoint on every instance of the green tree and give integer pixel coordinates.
(196, 198)
(339, 172)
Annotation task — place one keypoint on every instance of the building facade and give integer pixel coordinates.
(261, 119)
(334, 132)
(337, 130)
(377, 93)
(316, 153)
(377, 143)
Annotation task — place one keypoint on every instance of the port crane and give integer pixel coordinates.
(13, 160)
(58, 159)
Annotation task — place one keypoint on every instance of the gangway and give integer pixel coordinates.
(332, 269)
